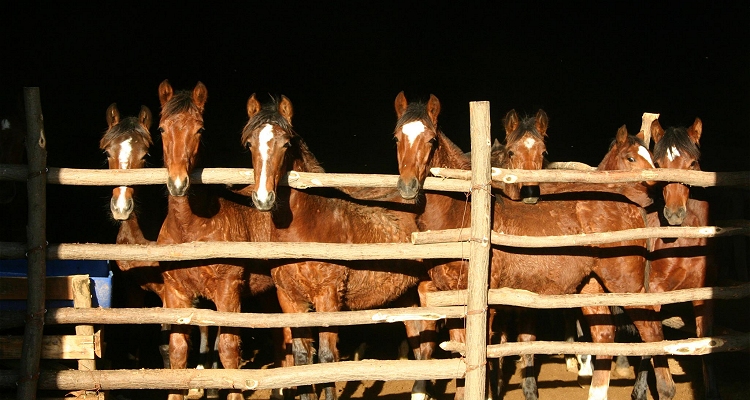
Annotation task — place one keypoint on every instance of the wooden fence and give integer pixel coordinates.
(471, 304)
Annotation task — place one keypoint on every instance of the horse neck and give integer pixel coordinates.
(130, 232)
(444, 210)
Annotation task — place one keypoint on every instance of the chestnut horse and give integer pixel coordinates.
(684, 263)
(202, 214)
(326, 216)
(619, 267)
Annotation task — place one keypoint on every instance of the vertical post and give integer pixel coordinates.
(476, 315)
(82, 299)
(36, 233)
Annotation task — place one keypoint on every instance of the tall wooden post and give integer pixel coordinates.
(36, 236)
(476, 315)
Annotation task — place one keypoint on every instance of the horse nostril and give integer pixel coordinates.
(410, 190)
(264, 204)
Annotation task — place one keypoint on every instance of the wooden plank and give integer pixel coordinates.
(16, 288)
(54, 347)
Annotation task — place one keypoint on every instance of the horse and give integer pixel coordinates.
(683, 263)
(204, 213)
(13, 201)
(618, 266)
(326, 216)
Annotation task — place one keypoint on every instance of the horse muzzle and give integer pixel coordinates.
(265, 204)
(178, 187)
(675, 217)
(530, 194)
(121, 212)
(408, 191)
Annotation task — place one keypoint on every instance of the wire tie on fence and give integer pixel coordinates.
(473, 367)
(38, 173)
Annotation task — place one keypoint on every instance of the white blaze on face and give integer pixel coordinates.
(124, 157)
(643, 152)
(672, 153)
(412, 130)
(265, 136)
(529, 143)
(5, 124)
(122, 202)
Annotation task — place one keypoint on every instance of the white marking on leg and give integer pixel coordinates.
(5, 124)
(598, 392)
(529, 143)
(265, 136)
(584, 366)
(643, 152)
(419, 396)
(672, 153)
(124, 157)
(412, 130)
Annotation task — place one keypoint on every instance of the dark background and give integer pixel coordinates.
(592, 66)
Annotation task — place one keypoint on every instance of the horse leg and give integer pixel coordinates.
(527, 333)
(650, 330)
(498, 325)
(704, 323)
(422, 337)
(179, 338)
(328, 301)
(227, 299)
(300, 339)
(602, 331)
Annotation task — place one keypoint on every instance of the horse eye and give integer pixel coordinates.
(510, 153)
(631, 159)
(694, 164)
(433, 141)
(201, 130)
(161, 130)
(287, 145)
(248, 145)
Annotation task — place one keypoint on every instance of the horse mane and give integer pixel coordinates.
(677, 138)
(127, 126)
(526, 125)
(181, 102)
(269, 114)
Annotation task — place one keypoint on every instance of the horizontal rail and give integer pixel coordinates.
(525, 298)
(237, 250)
(203, 317)
(237, 176)
(245, 379)
(684, 347)
(695, 178)
(502, 239)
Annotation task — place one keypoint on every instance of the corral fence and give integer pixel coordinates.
(473, 243)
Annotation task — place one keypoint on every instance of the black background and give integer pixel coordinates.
(592, 66)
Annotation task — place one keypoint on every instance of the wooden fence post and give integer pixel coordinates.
(476, 314)
(36, 236)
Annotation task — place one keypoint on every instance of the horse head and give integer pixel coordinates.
(416, 138)
(627, 153)
(525, 149)
(268, 135)
(677, 148)
(126, 143)
(181, 127)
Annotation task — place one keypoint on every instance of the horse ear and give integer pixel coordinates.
(510, 121)
(400, 104)
(165, 92)
(200, 95)
(113, 115)
(145, 117)
(285, 108)
(694, 132)
(622, 135)
(542, 122)
(433, 108)
(657, 132)
(253, 106)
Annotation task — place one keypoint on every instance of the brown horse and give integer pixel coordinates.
(325, 216)
(684, 263)
(203, 213)
(619, 267)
